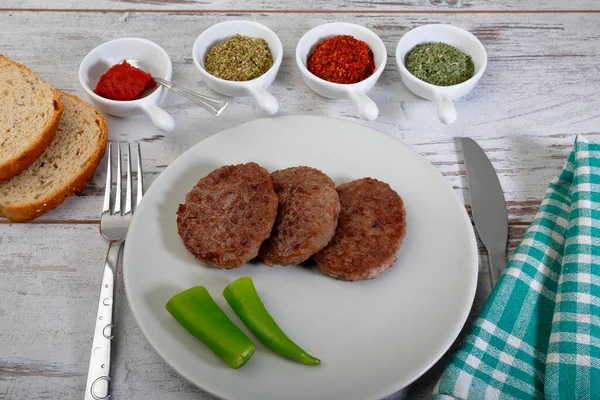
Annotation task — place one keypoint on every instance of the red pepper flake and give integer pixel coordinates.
(124, 82)
(342, 59)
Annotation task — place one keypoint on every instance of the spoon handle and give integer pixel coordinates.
(214, 106)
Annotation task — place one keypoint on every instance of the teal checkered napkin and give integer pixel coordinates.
(538, 335)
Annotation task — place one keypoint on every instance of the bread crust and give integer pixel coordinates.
(26, 212)
(21, 162)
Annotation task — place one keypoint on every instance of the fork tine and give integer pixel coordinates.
(117, 205)
(128, 194)
(140, 176)
(108, 188)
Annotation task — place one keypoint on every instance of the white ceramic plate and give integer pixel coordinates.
(373, 337)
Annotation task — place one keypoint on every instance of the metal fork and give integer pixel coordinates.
(113, 227)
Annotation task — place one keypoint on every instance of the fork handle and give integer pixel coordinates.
(98, 381)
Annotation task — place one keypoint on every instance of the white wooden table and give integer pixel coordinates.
(540, 91)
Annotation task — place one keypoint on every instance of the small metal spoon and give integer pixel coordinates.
(214, 106)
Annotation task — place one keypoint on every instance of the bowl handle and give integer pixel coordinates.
(266, 101)
(365, 106)
(446, 109)
(159, 117)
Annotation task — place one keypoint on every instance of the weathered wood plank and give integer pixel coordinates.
(49, 285)
(538, 93)
(336, 6)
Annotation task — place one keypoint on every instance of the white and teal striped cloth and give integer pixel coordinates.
(538, 335)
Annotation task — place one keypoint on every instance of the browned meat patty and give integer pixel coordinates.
(370, 231)
(228, 214)
(308, 211)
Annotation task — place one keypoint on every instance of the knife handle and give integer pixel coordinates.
(498, 261)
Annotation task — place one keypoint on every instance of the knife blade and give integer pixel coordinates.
(487, 205)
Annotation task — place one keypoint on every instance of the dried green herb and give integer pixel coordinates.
(239, 58)
(439, 64)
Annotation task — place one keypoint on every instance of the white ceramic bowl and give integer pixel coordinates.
(354, 92)
(443, 95)
(154, 59)
(255, 87)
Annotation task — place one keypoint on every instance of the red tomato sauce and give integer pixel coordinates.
(124, 82)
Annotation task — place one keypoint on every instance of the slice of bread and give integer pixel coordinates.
(63, 169)
(30, 111)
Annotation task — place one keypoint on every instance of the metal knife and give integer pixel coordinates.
(488, 205)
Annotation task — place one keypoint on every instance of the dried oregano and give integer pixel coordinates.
(439, 64)
(239, 58)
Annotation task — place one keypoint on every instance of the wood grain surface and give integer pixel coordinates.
(373, 6)
(538, 93)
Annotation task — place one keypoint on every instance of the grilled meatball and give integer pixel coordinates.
(307, 217)
(228, 214)
(370, 231)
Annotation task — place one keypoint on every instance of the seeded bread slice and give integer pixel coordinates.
(63, 169)
(30, 111)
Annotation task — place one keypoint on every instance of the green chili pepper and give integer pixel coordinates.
(196, 310)
(243, 298)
